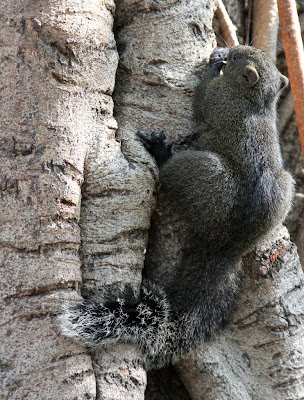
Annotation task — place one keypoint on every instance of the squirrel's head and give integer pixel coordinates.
(253, 71)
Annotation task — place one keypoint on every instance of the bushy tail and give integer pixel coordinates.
(145, 322)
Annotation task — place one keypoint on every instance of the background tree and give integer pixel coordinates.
(77, 196)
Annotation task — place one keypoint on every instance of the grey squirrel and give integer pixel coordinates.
(230, 194)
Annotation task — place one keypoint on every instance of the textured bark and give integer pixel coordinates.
(70, 181)
(260, 355)
(161, 48)
(58, 132)
(58, 69)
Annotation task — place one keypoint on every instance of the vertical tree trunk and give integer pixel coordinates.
(58, 69)
(160, 47)
(71, 185)
(57, 74)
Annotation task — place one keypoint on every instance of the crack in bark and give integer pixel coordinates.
(41, 290)
(105, 193)
(78, 376)
(131, 234)
(44, 248)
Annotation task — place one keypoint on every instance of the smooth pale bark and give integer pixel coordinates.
(228, 30)
(265, 25)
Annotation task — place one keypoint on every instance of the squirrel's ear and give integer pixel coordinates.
(284, 81)
(250, 77)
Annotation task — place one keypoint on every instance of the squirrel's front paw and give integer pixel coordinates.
(157, 146)
(218, 58)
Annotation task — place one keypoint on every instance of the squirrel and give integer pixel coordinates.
(230, 194)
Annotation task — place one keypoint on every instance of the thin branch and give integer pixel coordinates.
(285, 112)
(265, 25)
(290, 34)
(228, 30)
(249, 21)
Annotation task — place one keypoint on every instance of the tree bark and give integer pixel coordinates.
(59, 111)
(77, 194)
(265, 25)
(57, 130)
(161, 48)
(260, 355)
(228, 30)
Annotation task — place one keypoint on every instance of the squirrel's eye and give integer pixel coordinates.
(236, 56)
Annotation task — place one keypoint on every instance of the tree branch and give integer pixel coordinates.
(265, 26)
(286, 110)
(228, 30)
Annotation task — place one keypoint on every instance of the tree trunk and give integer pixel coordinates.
(58, 70)
(77, 196)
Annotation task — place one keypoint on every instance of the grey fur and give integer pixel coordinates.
(230, 194)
